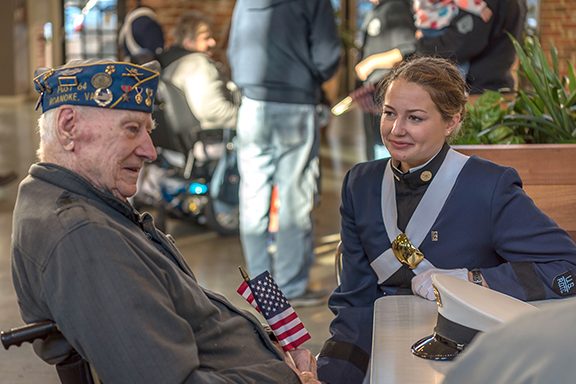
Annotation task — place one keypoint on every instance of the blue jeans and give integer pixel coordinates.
(278, 144)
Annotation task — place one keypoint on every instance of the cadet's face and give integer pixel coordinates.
(113, 147)
(412, 128)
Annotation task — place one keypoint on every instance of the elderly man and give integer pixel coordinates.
(118, 289)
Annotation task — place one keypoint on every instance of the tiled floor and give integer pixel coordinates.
(213, 259)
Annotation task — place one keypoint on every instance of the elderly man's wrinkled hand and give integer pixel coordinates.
(304, 364)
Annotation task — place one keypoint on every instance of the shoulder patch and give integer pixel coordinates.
(70, 210)
(564, 284)
(66, 199)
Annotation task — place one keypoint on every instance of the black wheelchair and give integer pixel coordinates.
(195, 176)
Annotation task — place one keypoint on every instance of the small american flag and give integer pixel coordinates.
(264, 295)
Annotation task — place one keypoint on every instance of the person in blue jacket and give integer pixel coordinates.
(430, 209)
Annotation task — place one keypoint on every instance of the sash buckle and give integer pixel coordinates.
(405, 252)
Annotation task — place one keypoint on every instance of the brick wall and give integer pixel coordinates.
(218, 11)
(558, 28)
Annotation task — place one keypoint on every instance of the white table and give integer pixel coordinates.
(400, 321)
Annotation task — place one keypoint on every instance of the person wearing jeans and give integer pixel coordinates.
(280, 53)
(295, 175)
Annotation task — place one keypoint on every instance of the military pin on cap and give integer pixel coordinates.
(101, 80)
(103, 97)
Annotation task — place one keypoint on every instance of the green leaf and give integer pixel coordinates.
(543, 112)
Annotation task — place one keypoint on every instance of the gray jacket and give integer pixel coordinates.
(122, 294)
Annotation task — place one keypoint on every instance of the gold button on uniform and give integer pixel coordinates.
(426, 176)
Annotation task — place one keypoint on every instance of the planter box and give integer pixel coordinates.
(547, 172)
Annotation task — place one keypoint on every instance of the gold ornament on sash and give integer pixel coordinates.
(406, 252)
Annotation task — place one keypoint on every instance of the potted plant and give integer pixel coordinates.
(534, 131)
(544, 112)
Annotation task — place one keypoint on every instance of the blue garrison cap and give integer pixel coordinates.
(114, 85)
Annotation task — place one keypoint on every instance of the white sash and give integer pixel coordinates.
(424, 216)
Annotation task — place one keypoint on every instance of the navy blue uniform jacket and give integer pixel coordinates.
(487, 222)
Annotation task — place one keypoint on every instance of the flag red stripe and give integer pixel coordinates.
(242, 288)
(295, 344)
(245, 291)
(289, 332)
(284, 320)
(294, 338)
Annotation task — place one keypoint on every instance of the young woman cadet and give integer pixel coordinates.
(430, 209)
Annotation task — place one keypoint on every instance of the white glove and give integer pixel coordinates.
(422, 283)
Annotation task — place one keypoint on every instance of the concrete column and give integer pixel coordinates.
(13, 32)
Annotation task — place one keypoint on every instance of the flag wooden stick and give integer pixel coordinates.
(244, 274)
(291, 360)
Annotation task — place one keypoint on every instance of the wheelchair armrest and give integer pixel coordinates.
(73, 370)
(28, 333)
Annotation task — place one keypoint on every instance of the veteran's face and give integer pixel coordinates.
(113, 147)
(412, 128)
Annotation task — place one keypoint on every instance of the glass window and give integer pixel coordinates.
(91, 27)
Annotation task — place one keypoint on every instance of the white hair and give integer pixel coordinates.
(47, 131)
